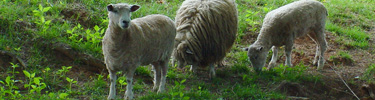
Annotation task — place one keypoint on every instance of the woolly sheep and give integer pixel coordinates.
(283, 25)
(206, 30)
(128, 44)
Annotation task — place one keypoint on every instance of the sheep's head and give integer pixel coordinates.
(185, 55)
(257, 55)
(119, 14)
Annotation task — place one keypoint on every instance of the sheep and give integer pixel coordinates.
(206, 30)
(128, 44)
(283, 25)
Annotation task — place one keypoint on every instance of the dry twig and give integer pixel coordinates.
(344, 82)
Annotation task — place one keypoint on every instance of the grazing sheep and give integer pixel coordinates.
(128, 44)
(283, 25)
(206, 30)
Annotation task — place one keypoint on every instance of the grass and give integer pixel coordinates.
(352, 37)
(28, 27)
(368, 76)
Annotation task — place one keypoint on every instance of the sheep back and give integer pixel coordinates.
(148, 39)
(293, 20)
(207, 28)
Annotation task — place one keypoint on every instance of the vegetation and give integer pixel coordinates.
(28, 28)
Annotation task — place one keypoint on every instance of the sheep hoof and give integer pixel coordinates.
(128, 95)
(271, 65)
(212, 75)
(319, 68)
(193, 69)
(257, 70)
(160, 91)
(155, 88)
(289, 65)
(111, 97)
(315, 63)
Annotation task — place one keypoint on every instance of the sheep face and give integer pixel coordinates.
(119, 14)
(185, 55)
(257, 55)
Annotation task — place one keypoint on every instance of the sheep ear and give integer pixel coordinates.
(134, 8)
(188, 51)
(259, 48)
(110, 7)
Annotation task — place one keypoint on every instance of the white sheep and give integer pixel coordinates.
(283, 25)
(128, 44)
(206, 30)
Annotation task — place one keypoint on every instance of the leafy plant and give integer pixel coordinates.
(42, 23)
(73, 35)
(178, 91)
(71, 81)
(95, 37)
(31, 78)
(46, 73)
(252, 19)
(122, 82)
(38, 85)
(62, 72)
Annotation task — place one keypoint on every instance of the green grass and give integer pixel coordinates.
(353, 37)
(368, 76)
(28, 28)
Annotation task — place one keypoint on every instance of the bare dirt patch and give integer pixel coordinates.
(78, 13)
(349, 70)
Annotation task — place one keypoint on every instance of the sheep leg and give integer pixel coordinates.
(157, 73)
(129, 79)
(180, 64)
(112, 88)
(317, 53)
(288, 53)
(274, 57)
(212, 71)
(323, 46)
(193, 68)
(220, 64)
(164, 69)
(173, 62)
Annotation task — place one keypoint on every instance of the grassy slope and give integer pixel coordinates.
(24, 33)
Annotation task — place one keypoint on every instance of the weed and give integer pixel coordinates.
(38, 86)
(34, 83)
(62, 72)
(177, 91)
(46, 73)
(10, 83)
(42, 23)
(122, 82)
(71, 81)
(31, 78)
(73, 36)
